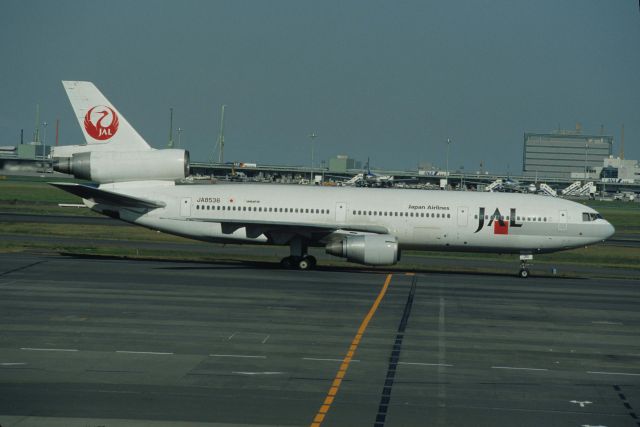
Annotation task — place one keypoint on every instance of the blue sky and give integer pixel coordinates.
(380, 79)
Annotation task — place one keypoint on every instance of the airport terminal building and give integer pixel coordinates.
(563, 153)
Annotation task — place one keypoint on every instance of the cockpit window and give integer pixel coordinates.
(590, 216)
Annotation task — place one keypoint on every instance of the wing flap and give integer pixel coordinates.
(107, 197)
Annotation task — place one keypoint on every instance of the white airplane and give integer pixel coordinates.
(370, 179)
(137, 184)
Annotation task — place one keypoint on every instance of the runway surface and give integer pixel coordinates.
(94, 342)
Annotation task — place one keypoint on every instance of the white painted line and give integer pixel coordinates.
(265, 339)
(257, 373)
(238, 355)
(518, 369)
(12, 363)
(424, 364)
(47, 349)
(605, 322)
(143, 352)
(613, 373)
(318, 359)
(582, 403)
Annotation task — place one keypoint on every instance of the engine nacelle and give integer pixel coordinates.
(370, 249)
(120, 166)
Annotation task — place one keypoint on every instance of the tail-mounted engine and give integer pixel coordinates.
(370, 249)
(120, 166)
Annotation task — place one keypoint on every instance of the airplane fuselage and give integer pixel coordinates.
(421, 220)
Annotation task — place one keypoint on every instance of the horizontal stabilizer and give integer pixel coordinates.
(107, 197)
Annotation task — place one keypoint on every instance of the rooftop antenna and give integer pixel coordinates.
(220, 142)
(170, 145)
(622, 143)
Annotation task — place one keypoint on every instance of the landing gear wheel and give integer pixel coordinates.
(286, 262)
(524, 273)
(312, 261)
(304, 264)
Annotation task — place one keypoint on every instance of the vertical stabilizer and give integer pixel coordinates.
(101, 122)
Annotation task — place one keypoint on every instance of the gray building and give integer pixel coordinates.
(563, 153)
(341, 163)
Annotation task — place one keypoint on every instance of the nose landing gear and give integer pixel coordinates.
(524, 271)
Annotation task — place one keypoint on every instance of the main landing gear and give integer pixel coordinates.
(524, 271)
(307, 262)
(299, 258)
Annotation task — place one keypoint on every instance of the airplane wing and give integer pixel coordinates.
(237, 223)
(280, 232)
(107, 197)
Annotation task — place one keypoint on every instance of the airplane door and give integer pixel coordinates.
(341, 212)
(463, 214)
(185, 207)
(562, 220)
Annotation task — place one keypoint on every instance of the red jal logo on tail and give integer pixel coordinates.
(102, 123)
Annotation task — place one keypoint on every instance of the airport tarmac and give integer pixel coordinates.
(100, 342)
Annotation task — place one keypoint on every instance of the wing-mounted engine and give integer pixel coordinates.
(120, 166)
(369, 249)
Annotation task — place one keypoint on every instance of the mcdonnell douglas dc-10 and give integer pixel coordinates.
(137, 184)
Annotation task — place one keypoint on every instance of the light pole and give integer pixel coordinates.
(170, 145)
(312, 136)
(586, 151)
(448, 144)
(44, 147)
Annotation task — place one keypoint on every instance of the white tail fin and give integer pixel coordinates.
(101, 122)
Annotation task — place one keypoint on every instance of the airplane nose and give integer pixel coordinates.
(609, 231)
